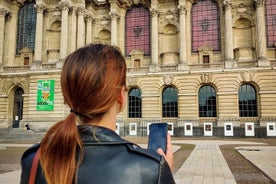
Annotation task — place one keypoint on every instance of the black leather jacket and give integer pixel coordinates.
(109, 159)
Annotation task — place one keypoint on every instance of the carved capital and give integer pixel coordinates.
(227, 4)
(114, 14)
(40, 7)
(89, 17)
(182, 9)
(3, 12)
(64, 5)
(154, 12)
(81, 11)
(259, 3)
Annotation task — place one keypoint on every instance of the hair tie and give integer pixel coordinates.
(75, 112)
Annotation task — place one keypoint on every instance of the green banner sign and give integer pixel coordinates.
(45, 95)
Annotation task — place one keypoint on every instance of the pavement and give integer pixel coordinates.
(205, 164)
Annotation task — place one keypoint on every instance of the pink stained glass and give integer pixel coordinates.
(205, 25)
(137, 30)
(271, 22)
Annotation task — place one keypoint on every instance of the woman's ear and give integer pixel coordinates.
(122, 99)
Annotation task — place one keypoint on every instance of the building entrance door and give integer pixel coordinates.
(17, 107)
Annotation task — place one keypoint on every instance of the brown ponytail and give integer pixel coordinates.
(91, 81)
(58, 151)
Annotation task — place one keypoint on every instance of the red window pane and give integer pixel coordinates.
(205, 25)
(137, 30)
(271, 22)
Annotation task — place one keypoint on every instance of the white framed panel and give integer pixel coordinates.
(170, 129)
(132, 128)
(117, 128)
(271, 128)
(148, 130)
(208, 129)
(188, 129)
(249, 129)
(228, 129)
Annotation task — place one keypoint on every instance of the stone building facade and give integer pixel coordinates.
(205, 66)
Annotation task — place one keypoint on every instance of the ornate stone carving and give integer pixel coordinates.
(246, 76)
(227, 4)
(182, 9)
(167, 79)
(40, 7)
(89, 17)
(64, 5)
(206, 78)
(154, 12)
(114, 14)
(81, 10)
(259, 3)
(3, 11)
(132, 81)
(7, 84)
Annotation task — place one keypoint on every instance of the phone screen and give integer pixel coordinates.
(158, 136)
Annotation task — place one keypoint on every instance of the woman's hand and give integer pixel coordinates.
(169, 154)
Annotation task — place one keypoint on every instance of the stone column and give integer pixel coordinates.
(154, 39)
(73, 33)
(229, 54)
(38, 36)
(64, 29)
(188, 29)
(182, 36)
(89, 20)
(114, 18)
(261, 34)
(81, 32)
(3, 13)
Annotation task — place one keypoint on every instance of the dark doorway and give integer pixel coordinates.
(17, 107)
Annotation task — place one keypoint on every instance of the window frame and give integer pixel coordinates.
(134, 106)
(210, 109)
(170, 111)
(252, 108)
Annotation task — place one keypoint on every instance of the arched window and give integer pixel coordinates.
(205, 25)
(247, 101)
(137, 33)
(271, 22)
(207, 101)
(26, 26)
(169, 102)
(134, 103)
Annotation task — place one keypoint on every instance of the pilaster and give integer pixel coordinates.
(229, 54)
(81, 11)
(182, 36)
(89, 19)
(3, 13)
(154, 37)
(261, 35)
(115, 16)
(64, 5)
(40, 7)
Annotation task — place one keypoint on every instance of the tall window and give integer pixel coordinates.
(26, 26)
(247, 101)
(205, 25)
(137, 27)
(207, 101)
(134, 103)
(271, 22)
(169, 102)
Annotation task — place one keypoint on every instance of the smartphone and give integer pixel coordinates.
(158, 136)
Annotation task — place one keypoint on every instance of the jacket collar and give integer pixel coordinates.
(99, 135)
